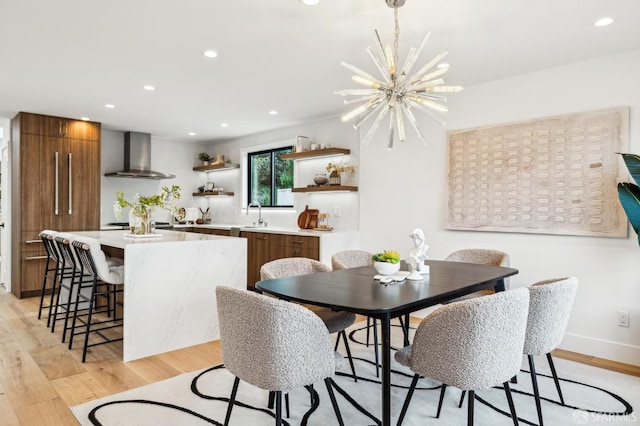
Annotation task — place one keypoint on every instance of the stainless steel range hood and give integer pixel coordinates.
(137, 158)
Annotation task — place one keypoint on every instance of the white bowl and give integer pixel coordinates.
(386, 268)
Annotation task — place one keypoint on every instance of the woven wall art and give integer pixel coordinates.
(554, 175)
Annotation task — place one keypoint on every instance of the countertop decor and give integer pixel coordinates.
(142, 207)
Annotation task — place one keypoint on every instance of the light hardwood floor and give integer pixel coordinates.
(40, 378)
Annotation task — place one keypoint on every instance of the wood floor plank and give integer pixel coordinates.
(53, 412)
(8, 417)
(79, 388)
(194, 357)
(114, 376)
(56, 362)
(152, 369)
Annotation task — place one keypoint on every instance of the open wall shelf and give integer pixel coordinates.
(315, 153)
(325, 188)
(216, 167)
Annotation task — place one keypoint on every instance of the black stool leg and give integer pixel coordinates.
(336, 409)
(442, 391)
(407, 400)
(536, 391)
(555, 376)
(512, 407)
(472, 397)
(232, 400)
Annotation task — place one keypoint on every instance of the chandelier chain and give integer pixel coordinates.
(396, 36)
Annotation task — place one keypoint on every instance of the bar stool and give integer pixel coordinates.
(68, 281)
(106, 281)
(51, 269)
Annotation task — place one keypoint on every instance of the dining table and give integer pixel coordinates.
(356, 290)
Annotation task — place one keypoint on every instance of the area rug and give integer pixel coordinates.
(592, 395)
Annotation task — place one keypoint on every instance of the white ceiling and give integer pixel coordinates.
(71, 57)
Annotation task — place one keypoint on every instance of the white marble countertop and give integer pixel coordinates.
(116, 238)
(268, 229)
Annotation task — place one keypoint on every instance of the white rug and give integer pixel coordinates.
(592, 396)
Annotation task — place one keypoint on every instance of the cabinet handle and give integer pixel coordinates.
(33, 241)
(297, 242)
(56, 210)
(264, 238)
(70, 187)
(35, 257)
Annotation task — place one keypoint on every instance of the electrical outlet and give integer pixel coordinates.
(623, 319)
(336, 211)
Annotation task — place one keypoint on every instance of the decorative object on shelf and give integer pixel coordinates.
(303, 143)
(220, 161)
(321, 179)
(417, 256)
(201, 188)
(387, 262)
(142, 207)
(205, 158)
(337, 168)
(399, 92)
(629, 192)
(209, 186)
(205, 216)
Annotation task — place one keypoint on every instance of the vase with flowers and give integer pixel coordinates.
(142, 207)
(340, 172)
(386, 262)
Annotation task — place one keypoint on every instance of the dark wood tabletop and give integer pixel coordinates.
(355, 289)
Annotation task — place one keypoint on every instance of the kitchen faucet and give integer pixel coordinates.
(261, 223)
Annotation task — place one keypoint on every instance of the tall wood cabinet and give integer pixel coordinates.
(56, 185)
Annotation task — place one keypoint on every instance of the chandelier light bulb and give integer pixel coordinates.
(397, 94)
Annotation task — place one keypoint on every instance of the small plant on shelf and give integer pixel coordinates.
(340, 166)
(388, 256)
(204, 157)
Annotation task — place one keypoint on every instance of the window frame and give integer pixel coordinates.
(272, 152)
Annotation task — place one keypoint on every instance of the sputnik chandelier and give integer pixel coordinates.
(397, 93)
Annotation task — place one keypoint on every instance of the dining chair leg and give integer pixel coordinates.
(336, 409)
(512, 407)
(232, 400)
(555, 376)
(286, 403)
(462, 398)
(278, 408)
(368, 327)
(470, 402)
(346, 346)
(375, 347)
(443, 388)
(407, 400)
(536, 391)
(272, 400)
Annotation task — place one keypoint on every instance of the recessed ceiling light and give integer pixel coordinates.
(111, 106)
(310, 2)
(224, 125)
(148, 87)
(210, 53)
(85, 119)
(603, 22)
(192, 134)
(273, 112)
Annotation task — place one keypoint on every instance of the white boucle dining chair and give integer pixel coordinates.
(473, 344)
(549, 309)
(274, 345)
(482, 257)
(335, 321)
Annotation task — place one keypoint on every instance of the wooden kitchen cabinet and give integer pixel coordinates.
(297, 246)
(56, 186)
(260, 250)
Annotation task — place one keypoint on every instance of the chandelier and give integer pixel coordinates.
(398, 93)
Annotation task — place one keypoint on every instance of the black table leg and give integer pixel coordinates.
(500, 285)
(386, 369)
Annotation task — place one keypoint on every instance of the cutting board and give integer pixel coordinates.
(308, 219)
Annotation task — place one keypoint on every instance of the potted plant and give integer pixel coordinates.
(387, 262)
(205, 158)
(629, 193)
(142, 207)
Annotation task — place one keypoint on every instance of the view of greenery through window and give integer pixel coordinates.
(271, 178)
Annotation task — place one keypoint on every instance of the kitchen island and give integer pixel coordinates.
(169, 286)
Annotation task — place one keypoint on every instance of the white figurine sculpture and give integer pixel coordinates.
(417, 256)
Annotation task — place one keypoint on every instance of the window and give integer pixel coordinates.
(270, 178)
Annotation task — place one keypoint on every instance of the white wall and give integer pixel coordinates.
(168, 156)
(406, 188)
(330, 131)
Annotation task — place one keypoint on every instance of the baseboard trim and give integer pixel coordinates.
(600, 348)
